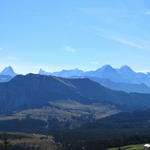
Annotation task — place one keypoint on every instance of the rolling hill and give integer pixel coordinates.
(33, 91)
(59, 103)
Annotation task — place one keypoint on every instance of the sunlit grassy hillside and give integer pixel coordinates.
(25, 141)
(130, 147)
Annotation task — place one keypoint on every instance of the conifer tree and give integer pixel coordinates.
(5, 141)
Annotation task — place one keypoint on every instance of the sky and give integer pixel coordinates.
(67, 34)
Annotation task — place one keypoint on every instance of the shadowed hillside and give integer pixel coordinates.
(33, 91)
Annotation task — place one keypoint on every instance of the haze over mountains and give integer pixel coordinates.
(121, 79)
(75, 105)
(34, 90)
(124, 74)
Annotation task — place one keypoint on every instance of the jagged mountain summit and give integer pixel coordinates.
(105, 72)
(122, 79)
(8, 71)
(42, 72)
(123, 74)
(7, 74)
(63, 73)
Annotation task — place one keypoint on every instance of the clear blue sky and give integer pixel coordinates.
(65, 34)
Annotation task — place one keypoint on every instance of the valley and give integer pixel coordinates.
(74, 74)
(76, 112)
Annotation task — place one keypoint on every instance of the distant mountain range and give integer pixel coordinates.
(63, 73)
(122, 79)
(122, 75)
(120, 86)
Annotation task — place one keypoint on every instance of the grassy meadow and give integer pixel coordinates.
(130, 147)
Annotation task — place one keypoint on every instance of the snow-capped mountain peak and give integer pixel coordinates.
(43, 72)
(8, 71)
(126, 68)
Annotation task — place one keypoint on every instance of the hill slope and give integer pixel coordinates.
(33, 91)
(118, 86)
